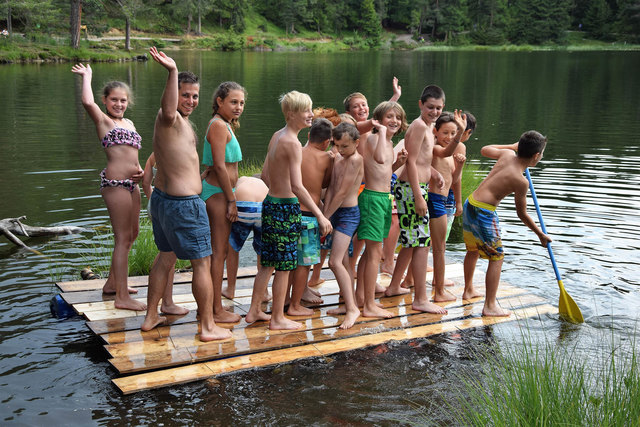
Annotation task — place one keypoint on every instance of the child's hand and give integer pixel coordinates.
(162, 59)
(137, 177)
(325, 226)
(458, 209)
(378, 126)
(402, 157)
(82, 70)
(232, 211)
(459, 158)
(438, 178)
(397, 89)
(460, 119)
(545, 240)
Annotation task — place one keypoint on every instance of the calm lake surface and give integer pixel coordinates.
(54, 371)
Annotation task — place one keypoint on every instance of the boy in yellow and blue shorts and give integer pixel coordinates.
(481, 227)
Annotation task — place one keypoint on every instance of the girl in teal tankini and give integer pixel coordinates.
(221, 156)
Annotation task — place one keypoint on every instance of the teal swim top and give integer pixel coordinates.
(232, 151)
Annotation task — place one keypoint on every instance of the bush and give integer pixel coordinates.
(491, 36)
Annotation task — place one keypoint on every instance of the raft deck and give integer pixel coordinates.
(172, 354)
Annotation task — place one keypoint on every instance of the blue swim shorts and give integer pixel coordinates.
(180, 225)
(346, 220)
(436, 204)
(450, 207)
(309, 241)
(481, 229)
(280, 233)
(249, 219)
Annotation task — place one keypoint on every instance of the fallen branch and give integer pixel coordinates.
(11, 227)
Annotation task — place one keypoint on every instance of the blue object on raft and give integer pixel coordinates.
(60, 308)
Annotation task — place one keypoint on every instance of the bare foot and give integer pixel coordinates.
(497, 312)
(228, 293)
(151, 321)
(429, 268)
(312, 282)
(360, 302)
(449, 282)
(396, 290)
(216, 333)
(350, 319)
(260, 316)
(111, 291)
(471, 293)
(315, 292)
(340, 310)
(225, 316)
(444, 296)
(376, 311)
(173, 309)
(310, 297)
(379, 288)
(406, 284)
(284, 324)
(129, 303)
(299, 311)
(429, 307)
(267, 297)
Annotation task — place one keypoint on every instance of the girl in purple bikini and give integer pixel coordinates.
(119, 180)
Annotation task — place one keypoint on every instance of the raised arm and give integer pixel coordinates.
(88, 102)
(494, 151)
(379, 153)
(397, 90)
(169, 102)
(460, 120)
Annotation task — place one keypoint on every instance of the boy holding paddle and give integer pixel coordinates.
(481, 228)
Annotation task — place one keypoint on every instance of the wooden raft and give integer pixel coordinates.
(172, 354)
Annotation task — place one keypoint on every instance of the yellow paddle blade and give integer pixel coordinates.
(567, 307)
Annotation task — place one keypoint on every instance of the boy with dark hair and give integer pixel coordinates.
(480, 223)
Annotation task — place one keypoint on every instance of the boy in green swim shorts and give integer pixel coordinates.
(281, 216)
(480, 223)
(375, 204)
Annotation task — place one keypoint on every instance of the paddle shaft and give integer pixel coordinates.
(544, 229)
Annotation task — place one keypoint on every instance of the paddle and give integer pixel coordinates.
(566, 306)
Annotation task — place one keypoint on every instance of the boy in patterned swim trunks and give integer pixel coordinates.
(480, 223)
(281, 215)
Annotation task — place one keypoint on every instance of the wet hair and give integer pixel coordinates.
(471, 122)
(347, 118)
(327, 113)
(110, 86)
(384, 107)
(432, 91)
(346, 128)
(222, 91)
(320, 131)
(294, 102)
(445, 117)
(351, 97)
(530, 144)
(187, 77)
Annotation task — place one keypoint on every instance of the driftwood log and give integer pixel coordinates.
(11, 227)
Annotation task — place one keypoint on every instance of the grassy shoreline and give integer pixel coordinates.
(18, 49)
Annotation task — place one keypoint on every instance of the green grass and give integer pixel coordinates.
(540, 384)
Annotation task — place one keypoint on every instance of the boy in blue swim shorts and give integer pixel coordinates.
(480, 222)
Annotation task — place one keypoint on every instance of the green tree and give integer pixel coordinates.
(33, 15)
(539, 21)
(597, 21)
(628, 19)
(370, 23)
(453, 17)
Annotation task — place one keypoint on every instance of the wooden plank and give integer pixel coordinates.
(190, 327)
(128, 359)
(199, 371)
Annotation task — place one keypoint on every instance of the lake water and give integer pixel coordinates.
(54, 371)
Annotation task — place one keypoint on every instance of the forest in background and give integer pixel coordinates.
(451, 22)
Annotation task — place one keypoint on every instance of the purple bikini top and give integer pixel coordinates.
(122, 136)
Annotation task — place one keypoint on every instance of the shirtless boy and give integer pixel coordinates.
(316, 168)
(374, 201)
(281, 215)
(481, 228)
(179, 216)
(411, 198)
(448, 131)
(341, 205)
